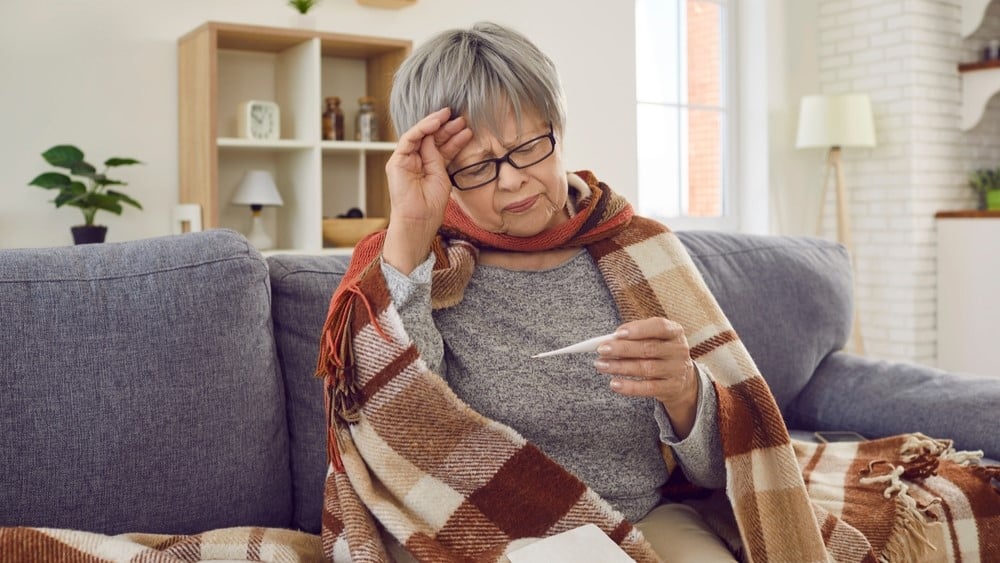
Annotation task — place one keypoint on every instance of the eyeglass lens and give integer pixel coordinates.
(522, 156)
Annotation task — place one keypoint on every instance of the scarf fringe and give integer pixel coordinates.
(336, 364)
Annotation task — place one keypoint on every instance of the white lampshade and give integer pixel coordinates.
(257, 188)
(843, 120)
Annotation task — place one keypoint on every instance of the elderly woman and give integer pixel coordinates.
(492, 254)
(482, 116)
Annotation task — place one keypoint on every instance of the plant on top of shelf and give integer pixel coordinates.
(74, 191)
(986, 183)
(303, 6)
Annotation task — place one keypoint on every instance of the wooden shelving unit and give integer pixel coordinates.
(980, 80)
(973, 12)
(222, 64)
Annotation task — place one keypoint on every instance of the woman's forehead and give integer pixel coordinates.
(486, 142)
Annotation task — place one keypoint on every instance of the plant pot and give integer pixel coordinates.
(88, 234)
(304, 21)
(993, 200)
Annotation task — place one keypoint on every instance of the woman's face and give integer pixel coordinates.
(521, 202)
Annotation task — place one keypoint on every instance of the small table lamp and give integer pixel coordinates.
(832, 122)
(257, 189)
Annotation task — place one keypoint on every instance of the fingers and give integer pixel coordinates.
(410, 140)
(649, 338)
(667, 391)
(654, 327)
(660, 368)
(450, 128)
(649, 357)
(456, 142)
(439, 127)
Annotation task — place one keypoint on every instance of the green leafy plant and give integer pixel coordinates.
(303, 6)
(986, 183)
(84, 188)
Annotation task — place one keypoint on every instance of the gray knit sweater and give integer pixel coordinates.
(482, 348)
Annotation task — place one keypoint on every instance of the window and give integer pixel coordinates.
(683, 110)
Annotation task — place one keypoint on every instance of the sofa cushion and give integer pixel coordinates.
(302, 287)
(789, 299)
(140, 388)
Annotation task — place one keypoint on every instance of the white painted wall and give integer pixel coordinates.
(792, 72)
(102, 74)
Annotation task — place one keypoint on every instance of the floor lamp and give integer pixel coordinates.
(832, 122)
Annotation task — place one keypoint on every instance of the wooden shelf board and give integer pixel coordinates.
(388, 4)
(277, 39)
(981, 65)
(968, 214)
(253, 144)
(354, 146)
(356, 46)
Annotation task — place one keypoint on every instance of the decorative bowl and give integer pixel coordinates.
(339, 232)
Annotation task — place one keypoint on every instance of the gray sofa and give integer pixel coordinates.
(166, 385)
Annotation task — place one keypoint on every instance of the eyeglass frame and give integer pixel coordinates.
(506, 158)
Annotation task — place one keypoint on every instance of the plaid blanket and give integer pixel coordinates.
(451, 485)
(242, 544)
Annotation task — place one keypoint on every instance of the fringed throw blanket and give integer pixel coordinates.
(451, 485)
(36, 545)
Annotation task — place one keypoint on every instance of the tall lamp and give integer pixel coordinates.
(257, 189)
(833, 122)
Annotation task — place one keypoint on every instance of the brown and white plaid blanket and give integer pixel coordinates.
(23, 545)
(451, 485)
(411, 461)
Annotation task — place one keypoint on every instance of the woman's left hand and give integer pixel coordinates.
(650, 358)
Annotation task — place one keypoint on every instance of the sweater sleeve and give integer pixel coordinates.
(700, 453)
(412, 297)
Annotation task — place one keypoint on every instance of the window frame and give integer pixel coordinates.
(732, 208)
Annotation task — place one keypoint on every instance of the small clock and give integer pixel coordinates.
(258, 119)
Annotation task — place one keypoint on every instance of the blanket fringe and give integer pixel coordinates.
(908, 540)
(917, 445)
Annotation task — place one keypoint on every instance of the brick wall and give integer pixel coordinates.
(903, 53)
(704, 88)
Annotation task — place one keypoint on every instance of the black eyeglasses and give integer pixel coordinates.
(522, 156)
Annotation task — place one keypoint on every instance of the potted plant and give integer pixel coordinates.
(84, 188)
(986, 183)
(303, 6)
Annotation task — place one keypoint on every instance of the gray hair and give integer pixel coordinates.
(477, 72)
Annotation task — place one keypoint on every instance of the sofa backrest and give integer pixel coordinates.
(302, 287)
(139, 388)
(788, 298)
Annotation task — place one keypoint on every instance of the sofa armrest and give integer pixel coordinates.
(879, 398)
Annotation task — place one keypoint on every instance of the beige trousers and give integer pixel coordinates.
(676, 531)
(678, 534)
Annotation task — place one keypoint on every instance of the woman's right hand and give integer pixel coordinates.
(419, 186)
